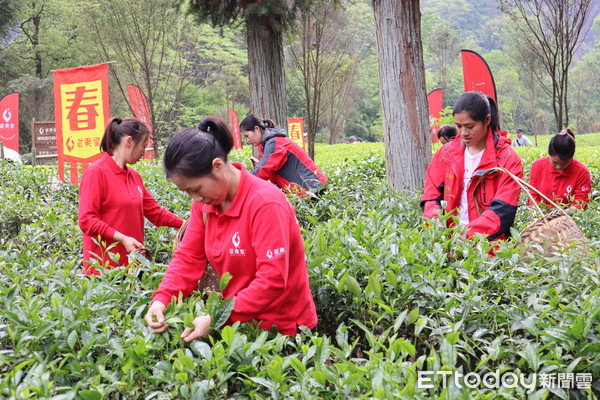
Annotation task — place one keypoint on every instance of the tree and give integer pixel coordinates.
(155, 48)
(265, 23)
(403, 95)
(550, 31)
(323, 69)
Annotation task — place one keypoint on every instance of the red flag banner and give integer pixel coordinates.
(237, 136)
(9, 121)
(139, 104)
(477, 74)
(435, 101)
(296, 126)
(81, 108)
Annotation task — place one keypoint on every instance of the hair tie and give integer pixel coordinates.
(118, 121)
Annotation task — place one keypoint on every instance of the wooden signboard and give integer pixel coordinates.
(43, 142)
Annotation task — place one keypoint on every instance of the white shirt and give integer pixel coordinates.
(471, 164)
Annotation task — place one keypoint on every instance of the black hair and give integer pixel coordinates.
(118, 128)
(190, 152)
(448, 131)
(478, 106)
(251, 121)
(562, 145)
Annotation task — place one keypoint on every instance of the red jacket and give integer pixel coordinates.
(115, 199)
(257, 240)
(570, 187)
(287, 165)
(498, 194)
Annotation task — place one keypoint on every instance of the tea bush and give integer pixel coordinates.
(395, 297)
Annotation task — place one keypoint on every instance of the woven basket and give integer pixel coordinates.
(550, 233)
(210, 280)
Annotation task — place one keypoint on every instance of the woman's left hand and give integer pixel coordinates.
(201, 328)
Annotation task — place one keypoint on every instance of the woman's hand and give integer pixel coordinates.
(201, 328)
(128, 242)
(156, 311)
(254, 160)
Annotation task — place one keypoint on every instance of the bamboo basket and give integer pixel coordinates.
(210, 280)
(550, 233)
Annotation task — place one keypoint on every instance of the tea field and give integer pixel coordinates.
(399, 318)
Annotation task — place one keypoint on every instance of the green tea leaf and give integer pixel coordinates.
(224, 281)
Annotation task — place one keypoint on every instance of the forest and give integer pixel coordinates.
(189, 69)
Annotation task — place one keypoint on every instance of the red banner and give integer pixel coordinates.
(435, 100)
(477, 74)
(81, 107)
(9, 121)
(296, 126)
(139, 105)
(237, 136)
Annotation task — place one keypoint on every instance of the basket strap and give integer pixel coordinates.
(524, 186)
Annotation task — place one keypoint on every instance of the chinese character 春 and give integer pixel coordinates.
(82, 114)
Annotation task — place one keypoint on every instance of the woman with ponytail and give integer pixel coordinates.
(452, 183)
(113, 200)
(282, 161)
(559, 176)
(241, 225)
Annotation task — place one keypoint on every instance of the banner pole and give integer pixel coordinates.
(33, 152)
(1, 150)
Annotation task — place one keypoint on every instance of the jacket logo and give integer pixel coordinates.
(569, 189)
(235, 239)
(275, 252)
(140, 190)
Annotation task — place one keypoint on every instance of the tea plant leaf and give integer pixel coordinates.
(352, 285)
(224, 281)
(227, 333)
(413, 315)
(222, 312)
(202, 349)
(90, 395)
(452, 338)
(297, 365)
(264, 382)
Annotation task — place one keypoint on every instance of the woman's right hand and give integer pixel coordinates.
(130, 244)
(155, 317)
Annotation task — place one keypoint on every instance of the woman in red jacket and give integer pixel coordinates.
(113, 200)
(241, 225)
(559, 176)
(282, 161)
(454, 176)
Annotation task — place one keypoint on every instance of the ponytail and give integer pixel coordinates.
(190, 152)
(118, 128)
(562, 145)
(251, 121)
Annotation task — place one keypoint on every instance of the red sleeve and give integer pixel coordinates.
(500, 215)
(188, 263)
(91, 190)
(534, 180)
(270, 234)
(433, 190)
(272, 160)
(158, 215)
(583, 187)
